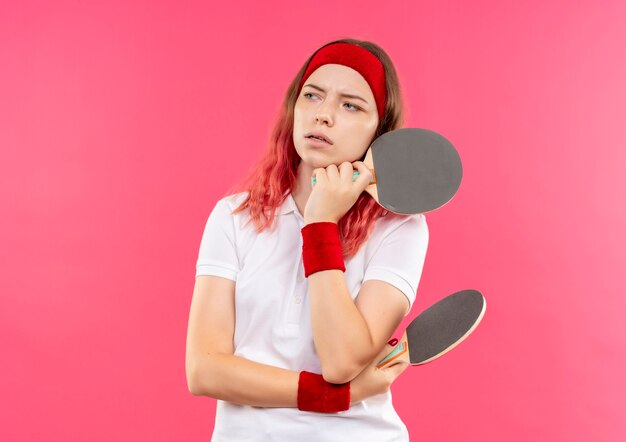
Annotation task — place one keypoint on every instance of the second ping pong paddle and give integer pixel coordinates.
(439, 328)
(414, 170)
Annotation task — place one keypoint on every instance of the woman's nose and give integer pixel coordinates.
(319, 117)
(323, 114)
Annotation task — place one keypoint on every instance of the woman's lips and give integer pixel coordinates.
(316, 142)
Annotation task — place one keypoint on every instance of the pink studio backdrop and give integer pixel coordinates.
(121, 125)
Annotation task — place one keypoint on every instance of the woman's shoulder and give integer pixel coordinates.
(397, 228)
(397, 233)
(390, 222)
(232, 201)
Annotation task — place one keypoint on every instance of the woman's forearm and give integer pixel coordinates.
(242, 381)
(341, 335)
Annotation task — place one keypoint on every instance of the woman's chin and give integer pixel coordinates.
(315, 159)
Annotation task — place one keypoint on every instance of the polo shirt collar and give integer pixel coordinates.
(289, 206)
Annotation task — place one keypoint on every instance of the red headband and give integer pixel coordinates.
(357, 58)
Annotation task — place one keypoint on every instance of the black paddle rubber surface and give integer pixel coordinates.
(444, 324)
(417, 170)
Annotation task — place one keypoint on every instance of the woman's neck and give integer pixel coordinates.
(302, 188)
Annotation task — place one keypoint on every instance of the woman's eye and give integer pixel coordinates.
(353, 107)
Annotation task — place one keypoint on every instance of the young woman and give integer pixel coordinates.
(299, 286)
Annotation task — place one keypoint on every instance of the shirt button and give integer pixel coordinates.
(298, 299)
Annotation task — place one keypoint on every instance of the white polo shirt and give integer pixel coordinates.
(273, 324)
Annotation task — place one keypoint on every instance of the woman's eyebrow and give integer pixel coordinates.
(343, 95)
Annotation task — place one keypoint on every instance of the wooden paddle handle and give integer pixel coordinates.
(400, 351)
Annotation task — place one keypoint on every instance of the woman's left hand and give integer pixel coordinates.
(334, 192)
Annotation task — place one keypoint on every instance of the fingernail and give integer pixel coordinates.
(393, 341)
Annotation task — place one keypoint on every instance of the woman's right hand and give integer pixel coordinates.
(373, 380)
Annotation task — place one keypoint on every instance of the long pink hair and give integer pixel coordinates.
(273, 177)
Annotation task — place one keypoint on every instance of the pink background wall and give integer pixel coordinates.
(120, 127)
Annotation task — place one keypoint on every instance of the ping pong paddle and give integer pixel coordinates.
(439, 328)
(414, 170)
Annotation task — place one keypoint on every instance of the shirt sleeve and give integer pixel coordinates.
(218, 253)
(399, 259)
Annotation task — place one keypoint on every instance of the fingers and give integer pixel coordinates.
(332, 172)
(343, 173)
(384, 352)
(365, 174)
(320, 175)
(396, 369)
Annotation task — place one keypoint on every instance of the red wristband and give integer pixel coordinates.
(315, 394)
(321, 248)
